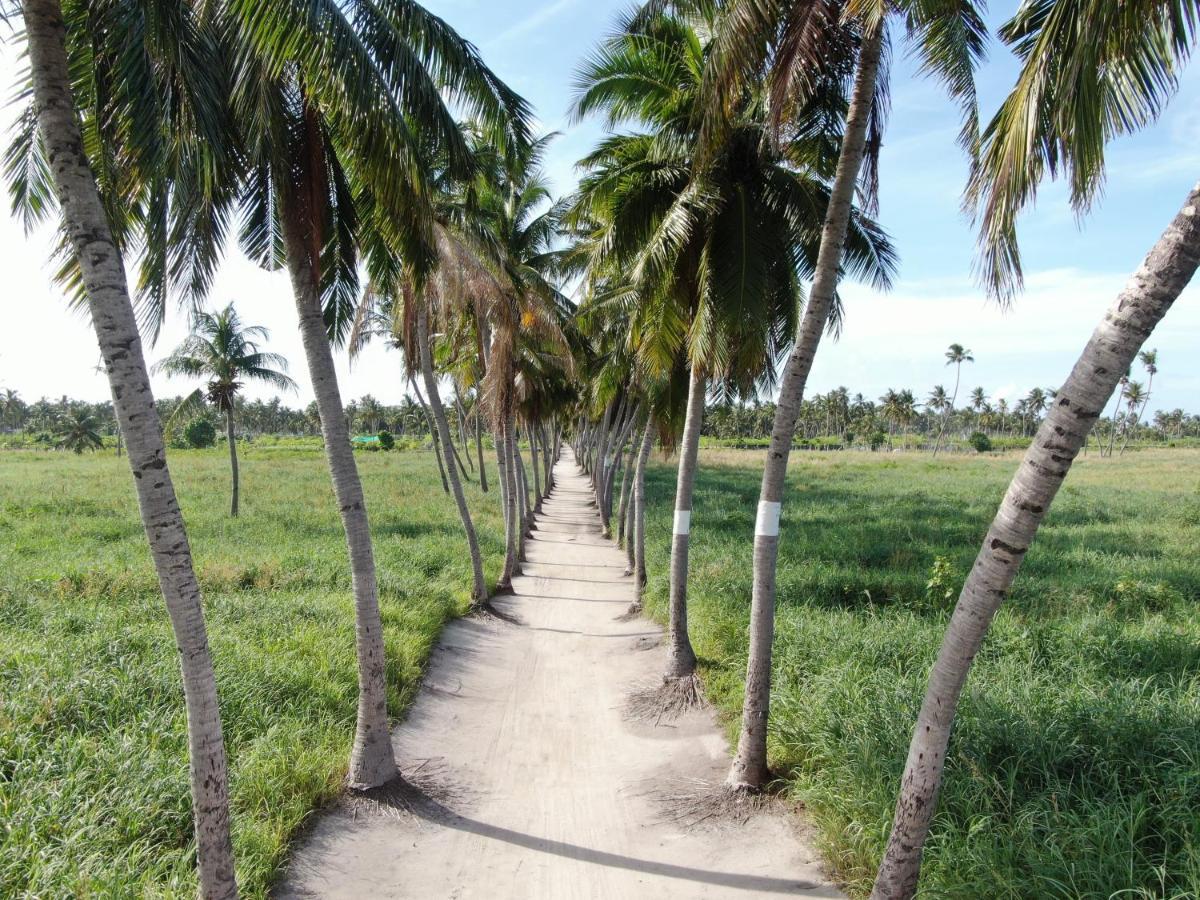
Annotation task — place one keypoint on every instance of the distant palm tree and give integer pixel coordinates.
(78, 431)
(225, 351)
(1149, 360)
(1135, 398)
(955, 356)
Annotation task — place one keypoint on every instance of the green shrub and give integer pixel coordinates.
(942, 586)
(877, 440)
(980, 441)
(200, 433)
(386, 441)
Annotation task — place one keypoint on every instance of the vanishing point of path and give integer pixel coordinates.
(529, 782)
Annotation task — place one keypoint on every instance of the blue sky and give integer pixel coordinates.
(893, 340)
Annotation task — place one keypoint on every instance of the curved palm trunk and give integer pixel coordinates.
(483, 485)
(372, 762)
(120, 345)
(639, 510)
(749, 768)
(433, 435)
(230, 434)
(508, 497)
(1112, 437)
(626, 489)
(681, 659)
(479, 590)
(1146, 298)
(535, 465)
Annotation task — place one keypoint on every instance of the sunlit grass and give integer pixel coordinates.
(93, 781)
(1074, 769)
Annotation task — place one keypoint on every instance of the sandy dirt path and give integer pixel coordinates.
(529, 782)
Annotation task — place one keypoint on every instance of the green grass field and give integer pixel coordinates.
(93, 781)
(1074, 770)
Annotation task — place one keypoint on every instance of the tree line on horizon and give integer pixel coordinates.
(736, 185)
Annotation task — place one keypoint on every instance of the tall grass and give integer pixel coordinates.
(93, 783)
(1074, 769)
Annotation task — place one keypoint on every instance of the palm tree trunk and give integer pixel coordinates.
(1112, 437)
(524, 511)
(372, 762)
(639, 510)
(626, 487)
(681, 659)
(1146, 298)
(535, 466)
(508, 502)
(113, 319)
(231, 436)
(433, 435)
(483, 485)
(749, 768)
(479, 590)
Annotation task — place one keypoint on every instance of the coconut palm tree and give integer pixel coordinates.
(226, 352)
(339, 106)
(955, 356)
(78, 431)
(98, 224)
(802, 48)
(1149, 361)
(709, 245)
(1089, 71)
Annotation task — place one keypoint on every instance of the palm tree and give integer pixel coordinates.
(12, 408)
(1088, 72)
(1135, 397)
(338, 107)
(955, 356)
(801, 48)
(702, 246)
(94, 224)
(78, 431)
(1149, 361)
(223, 350)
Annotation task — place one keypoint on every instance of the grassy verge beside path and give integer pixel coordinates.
(93, 783)
(1074, 769)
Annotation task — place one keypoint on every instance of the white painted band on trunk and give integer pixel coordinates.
(768, 519)
(683, 521)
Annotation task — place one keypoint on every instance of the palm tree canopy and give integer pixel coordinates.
(1090, 70)
(703, 252)
(227, 353)
(958, 354)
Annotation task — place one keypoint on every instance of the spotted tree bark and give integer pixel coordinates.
(749, 767)
(112, 316)
(1113, 346)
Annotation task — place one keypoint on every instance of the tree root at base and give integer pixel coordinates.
(667, 701)
(424, 791)
(488, 610)
(634, 610)
(692, 802)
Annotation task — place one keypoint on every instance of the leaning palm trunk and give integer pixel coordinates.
(503, 463)
(1146, 298)
(433, 435)
(112, 317)
(681, 659)
(639, 511)
(626, 487)
(483, 485)
(946, 418)
(535, 467)
(372, 762)
(479, 591)
(230, 435)
(749, 768)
